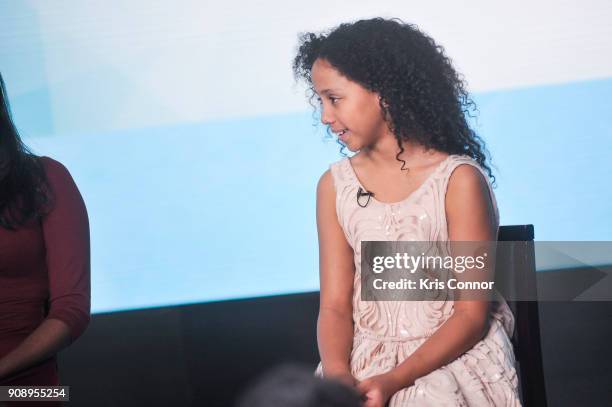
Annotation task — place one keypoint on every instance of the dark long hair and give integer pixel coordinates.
(426, 97)
(24, 188)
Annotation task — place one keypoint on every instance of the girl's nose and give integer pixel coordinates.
(326, 118)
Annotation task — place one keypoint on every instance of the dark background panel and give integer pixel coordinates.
(205, 354)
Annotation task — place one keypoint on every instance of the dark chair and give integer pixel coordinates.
(515, 272)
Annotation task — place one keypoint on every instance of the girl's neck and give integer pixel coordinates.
(383, 154)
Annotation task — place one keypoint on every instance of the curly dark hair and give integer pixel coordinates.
(426, 97)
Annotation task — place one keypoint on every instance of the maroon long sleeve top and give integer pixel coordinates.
(45, 273)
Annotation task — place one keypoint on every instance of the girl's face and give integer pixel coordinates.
(346, 105)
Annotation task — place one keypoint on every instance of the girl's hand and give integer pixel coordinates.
(377, 390)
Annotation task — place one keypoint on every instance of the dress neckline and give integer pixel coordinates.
(412, 194)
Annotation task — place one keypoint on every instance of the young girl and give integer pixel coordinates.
(391, 95)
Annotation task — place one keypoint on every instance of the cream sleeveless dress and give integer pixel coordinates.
(387, 332)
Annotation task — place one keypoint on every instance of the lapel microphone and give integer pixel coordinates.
(360, 193)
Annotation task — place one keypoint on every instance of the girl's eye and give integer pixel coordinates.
(333, 99)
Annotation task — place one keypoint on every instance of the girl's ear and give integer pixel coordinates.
(384, 103)
(387, 115)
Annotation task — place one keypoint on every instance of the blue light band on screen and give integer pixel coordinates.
(187, 206)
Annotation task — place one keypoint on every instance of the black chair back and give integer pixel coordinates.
(516, 272)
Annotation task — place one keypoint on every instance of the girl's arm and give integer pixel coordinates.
(336, 271)
(470, 217)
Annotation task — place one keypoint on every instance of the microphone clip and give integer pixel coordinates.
(360, 193)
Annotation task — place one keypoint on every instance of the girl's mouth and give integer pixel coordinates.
(343, 135)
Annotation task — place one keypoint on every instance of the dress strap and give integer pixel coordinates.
(341, 173)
